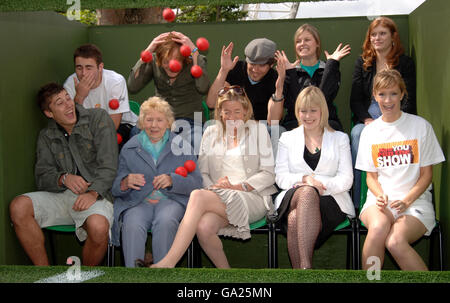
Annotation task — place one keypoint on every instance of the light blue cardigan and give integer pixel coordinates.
(134, 159)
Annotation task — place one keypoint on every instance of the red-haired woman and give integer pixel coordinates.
(382, 49)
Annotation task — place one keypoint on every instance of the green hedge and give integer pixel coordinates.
(60, 5)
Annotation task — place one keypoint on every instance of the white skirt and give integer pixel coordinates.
(242, 208)
(422, 209)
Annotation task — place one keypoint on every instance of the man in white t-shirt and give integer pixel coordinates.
(95, 87)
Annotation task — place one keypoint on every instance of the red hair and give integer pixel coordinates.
(369, 55)
(165, 50)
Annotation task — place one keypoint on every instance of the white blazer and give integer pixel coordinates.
(334, 169)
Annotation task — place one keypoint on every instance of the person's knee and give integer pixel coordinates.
(205, 229)
(97, 227)
(197, 198)
(379, 230)
(395, 244)
(166, 221)
(21, 207)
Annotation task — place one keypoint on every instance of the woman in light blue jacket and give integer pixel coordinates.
(148, 193)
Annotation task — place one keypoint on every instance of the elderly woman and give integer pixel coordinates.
(148, 193)
(314, 169)
(236, 162)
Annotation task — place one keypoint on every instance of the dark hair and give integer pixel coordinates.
(46, 92)
(89, 51)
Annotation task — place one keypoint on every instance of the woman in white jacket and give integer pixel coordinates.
(314, 170)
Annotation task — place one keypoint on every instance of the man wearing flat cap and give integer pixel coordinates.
(255, 74)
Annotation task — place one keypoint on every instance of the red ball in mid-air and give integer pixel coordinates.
(190, 165)
(202, 44)
(119, 138)
(185, 50)
(168, 15)
(181, 171)
(196, 71)
(113, 104)
(174, 65)
(146, 56)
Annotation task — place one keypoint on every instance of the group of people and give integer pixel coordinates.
(240, 171)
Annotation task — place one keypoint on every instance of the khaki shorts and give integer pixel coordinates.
(56, 209)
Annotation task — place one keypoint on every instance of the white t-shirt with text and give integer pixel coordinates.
(397, 151)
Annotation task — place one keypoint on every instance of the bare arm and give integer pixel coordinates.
(426, 174)
(226, 64)
(116, 119)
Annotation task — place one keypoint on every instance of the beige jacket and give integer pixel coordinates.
(256, 152)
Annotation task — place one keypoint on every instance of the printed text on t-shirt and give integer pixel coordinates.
(395, 153)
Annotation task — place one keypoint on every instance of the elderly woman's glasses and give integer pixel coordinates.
(235, 88)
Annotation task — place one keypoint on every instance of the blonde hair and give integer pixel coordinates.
(314, 32)
(388, 78)
(231, 95)
(309, 97)
(157, 104)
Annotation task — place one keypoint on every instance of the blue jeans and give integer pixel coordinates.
(355, 135)
(163, 218)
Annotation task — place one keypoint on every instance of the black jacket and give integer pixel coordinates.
(327, 77)
(362, 82)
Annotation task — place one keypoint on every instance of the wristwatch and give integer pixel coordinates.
(275, 99)
(244, 186)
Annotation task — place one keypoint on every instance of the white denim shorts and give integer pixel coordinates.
(422, 209)
(56, 209)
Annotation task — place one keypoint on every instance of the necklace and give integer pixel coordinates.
(313, 145)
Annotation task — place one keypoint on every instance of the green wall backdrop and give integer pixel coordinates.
(38, 48)
(429, 44)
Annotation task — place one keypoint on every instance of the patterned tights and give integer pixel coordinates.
(304, 224)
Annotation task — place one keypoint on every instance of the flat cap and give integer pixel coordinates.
(260, 50)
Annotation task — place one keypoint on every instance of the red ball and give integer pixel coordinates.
(146, 56)
(181, 171)
(190, 165)
(202, 44)
(196, 71)
(119, 138)
(174, 65)
(168, 15)
(114, 104)
(185, 50)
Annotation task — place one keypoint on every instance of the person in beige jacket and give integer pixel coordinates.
(237, 166)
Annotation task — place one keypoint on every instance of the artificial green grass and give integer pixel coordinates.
(28, 274)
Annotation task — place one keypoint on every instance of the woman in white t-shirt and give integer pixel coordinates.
(397, 151)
